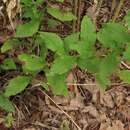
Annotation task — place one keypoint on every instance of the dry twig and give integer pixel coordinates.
(69, 117)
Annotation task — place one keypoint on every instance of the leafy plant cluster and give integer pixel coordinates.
(113, 39)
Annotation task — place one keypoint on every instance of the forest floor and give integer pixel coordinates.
(87, 107)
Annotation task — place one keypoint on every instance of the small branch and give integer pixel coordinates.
(70, 118)
(124, 64)
(78, 84)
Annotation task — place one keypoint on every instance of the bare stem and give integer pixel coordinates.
(79, 14)
(113, 6)
(75, 7)
(118, 10)
(97, 10)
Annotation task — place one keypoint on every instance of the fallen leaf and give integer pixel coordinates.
(92, 111)
(116, 126)
(29, 129)
(107, 100)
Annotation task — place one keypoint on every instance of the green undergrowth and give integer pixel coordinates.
(113, 39)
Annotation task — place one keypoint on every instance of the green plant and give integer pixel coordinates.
(113, 39)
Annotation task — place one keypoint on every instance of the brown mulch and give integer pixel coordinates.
(108, 110)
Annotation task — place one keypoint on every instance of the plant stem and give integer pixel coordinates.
(75, 13)
(98, 5)
(118, 10)
(79, 14)
(113, 6)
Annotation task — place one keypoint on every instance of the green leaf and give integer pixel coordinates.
(9, 120)
(31, 63)
(126, 54)
(113, 35)
(60, 1)
(8, 64)
(43, 50)
(58, 14)
(70, 41)
(27, 29)
(62, 64)
(85, 50)
(31, 2)
(26, 2)
(88, 32)
(38, 2)
(53, 42)
(65, 125)
(9, 44)
(16, 85)
(127, 19)
(107, 66)
(90, 64)
(40, 82)
(6, 104)
(52, 23)
(125, 76)
(58, 84)
(103, 81)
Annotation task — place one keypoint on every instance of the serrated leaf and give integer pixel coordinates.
(113, 34)
(85, 50)
(27, 29)
(62, 64)
(125, 76)
(58, 84)
(71, 41)
(107, 66)
(90, 64)
(6, 104)
(58, 14)
(127, 19)
(9, 44)
(53, 42)
(88, 32)
(16, 85)
(8, 64)
(31, 63)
